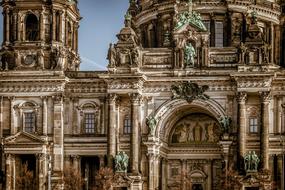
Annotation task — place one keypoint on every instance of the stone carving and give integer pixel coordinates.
(266, 52)
(189, 54)
(134, 56)
(189, 91)
(121, 162)
(151, 123)
(190, 17)
(196, 128)
(111, 55)
(251, 161)
(225, 123)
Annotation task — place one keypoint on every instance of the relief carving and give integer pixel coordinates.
(196, 128)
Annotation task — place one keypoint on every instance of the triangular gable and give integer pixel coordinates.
(24, 138)
(192, 19)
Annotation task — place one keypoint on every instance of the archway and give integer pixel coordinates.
(187, 138)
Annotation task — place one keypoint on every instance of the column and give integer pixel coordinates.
(272, 43)
(278, 126)
(53, 25)
(113, 98)
(264, 132)
(19, 27)
(10, 175)
(102, 116)
(13, 119)
(58, 134)
(153, 167)
(7, 26)
(42, 25)
(153, 148)
(75, 116)
(164, 173)
(62, 26)
(1, 115)
(242, 97)
(135, 99)
(45, 115)
(209, 173)
(42, 166)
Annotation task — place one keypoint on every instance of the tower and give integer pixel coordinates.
(40, 35)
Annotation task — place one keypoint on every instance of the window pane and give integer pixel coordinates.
(253, 125)
(219, 34)
(29, 122)
(127, 126)
(89, 123)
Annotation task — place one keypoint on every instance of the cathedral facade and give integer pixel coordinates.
(193, 97)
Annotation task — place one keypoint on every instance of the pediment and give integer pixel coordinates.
(24, 138)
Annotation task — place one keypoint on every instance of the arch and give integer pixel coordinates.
(28, 105)
(173, 110)
(32, 27)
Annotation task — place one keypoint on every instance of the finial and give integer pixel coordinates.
(190, 5)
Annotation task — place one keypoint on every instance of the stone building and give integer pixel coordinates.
(194, 94)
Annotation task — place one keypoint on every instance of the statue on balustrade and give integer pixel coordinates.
(251, 161)
(121, 162)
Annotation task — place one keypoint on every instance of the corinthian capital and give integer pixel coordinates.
(265, 96)
(135, 98)
(113, 98)
(241, 97)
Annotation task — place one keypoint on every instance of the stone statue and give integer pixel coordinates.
(243, 50)
(251, 161)
(255, 161)
(111, 55)
(121, 162)
(189, 54)
(265, 52)
(134, 56)
(151, 123)
(225, 123)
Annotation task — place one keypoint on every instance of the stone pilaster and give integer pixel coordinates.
(135, 144)
(42, 166)
(241, 98)
(164, 173)
(58, 152)
(153, 146)
(45, 115)
(264, 133)
(113, 99)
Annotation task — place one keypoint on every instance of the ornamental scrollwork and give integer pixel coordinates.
(189, 91)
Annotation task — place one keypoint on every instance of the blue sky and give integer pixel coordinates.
(102, 20)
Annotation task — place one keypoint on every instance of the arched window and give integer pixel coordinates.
(127, 125)
(32, 27)
(28, 114)
(89, 113)
(253, 120)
